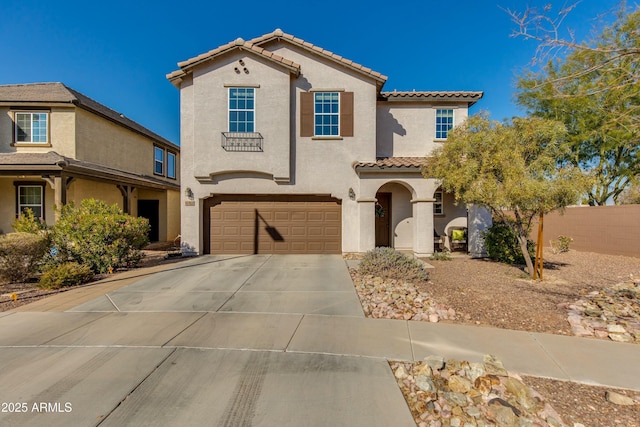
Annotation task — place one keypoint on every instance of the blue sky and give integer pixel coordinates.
(118, 52)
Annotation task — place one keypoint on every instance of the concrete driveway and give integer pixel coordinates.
(214, 340)
(248, 340)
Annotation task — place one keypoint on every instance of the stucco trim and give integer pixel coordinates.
(255, 85)
(334, 89)
(215, 177)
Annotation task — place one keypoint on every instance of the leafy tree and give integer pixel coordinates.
(510, 168)
(631, 195)
(595, 91)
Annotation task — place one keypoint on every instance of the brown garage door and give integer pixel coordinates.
(275, 225)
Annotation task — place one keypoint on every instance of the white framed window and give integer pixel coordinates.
(444, 122)
(158, 160)
(32, 127)
(438, 205)
(171, 165)
(31, 197)
(326, 113)
(241, 109)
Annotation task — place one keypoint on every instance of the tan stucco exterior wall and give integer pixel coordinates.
(7, 204)
(291, 164)
(85, 189)
(103, 142)
(8, 201)
(173, 215)
(61, 136)
(310, 165)
(271, 88)
(408, 129)
(79, 134)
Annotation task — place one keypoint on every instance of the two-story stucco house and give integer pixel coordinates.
(58, 145)
(290, 148)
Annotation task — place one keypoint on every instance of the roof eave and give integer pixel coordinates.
(176, 77)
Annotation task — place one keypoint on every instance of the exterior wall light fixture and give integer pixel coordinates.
(352, 194)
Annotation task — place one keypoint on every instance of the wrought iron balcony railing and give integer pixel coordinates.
(242, 141)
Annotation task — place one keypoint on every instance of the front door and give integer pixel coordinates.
(150, 209)
(383, 219)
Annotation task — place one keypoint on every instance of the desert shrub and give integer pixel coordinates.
(66, 274)
(20, 255)
(28, 223)
(99, 236)
(389, 264)
(502, 245)
(561, 244)
(441, 256)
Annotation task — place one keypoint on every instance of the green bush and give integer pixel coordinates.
(28, 223)
(21, 255)
(67, 274)
(502, 244)
(389, 264)
(99, 236)
(561, 244)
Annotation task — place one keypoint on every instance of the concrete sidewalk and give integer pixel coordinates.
(266, 340)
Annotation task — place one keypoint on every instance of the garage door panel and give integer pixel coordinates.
(298, 216)
(332, 216)
(282, 216)
(332, 231)
(296, 226)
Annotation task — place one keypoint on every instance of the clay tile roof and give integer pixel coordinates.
(56, 92)
(239, 43)
(468, 96)
(391, 162)
(278, 34)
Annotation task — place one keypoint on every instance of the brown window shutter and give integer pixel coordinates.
(306, 114)
(346, 114)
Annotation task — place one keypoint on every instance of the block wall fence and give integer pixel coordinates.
(613, 230)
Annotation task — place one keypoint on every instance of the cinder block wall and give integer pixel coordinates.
(613, 230)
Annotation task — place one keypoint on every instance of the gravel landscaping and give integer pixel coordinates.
(583, 294)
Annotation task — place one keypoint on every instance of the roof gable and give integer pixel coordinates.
(254, 46)
(56, 92)
(279, 35)
(238, 44)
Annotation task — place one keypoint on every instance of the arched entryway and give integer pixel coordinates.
(394, 216)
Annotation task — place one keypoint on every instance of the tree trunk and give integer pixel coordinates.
(525, 253)
(523, 236)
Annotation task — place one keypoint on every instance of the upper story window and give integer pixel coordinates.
(31, 127)
(31, 197)
(326, 113)
(444, 122)
(171, 165)
(241, 109)
(158, 161)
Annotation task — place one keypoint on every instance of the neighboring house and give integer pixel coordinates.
(58, 146)
(289, 148)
